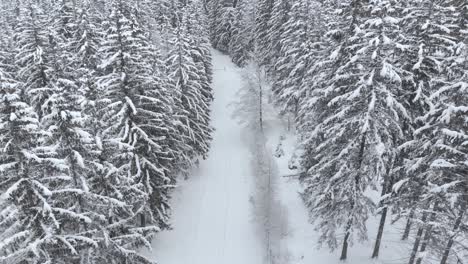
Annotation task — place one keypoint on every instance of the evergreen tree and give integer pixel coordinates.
(439, 162)
(241, 45)
(201, 49)
(136, 114)
(263, 17)
(95, 130)
(436, 61)
(325, 37)
(222, 14)
(280, 16)
(358, 124)
(33, 57)
(32, 215)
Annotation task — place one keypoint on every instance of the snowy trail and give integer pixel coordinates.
(212, 217)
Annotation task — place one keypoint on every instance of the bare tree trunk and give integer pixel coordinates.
(142, 220)
(455, 228)
(378, 241)
(409, 221)
(387, 187)
(425, 240)
(344, 250)
(418, 240)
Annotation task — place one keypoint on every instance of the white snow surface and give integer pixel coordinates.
(212, 216)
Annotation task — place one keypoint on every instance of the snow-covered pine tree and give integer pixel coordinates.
(71, 156)
(326, 34)
(119, 197)
(279, 17)
(462, 32)
(87, 109)
(7, 56)
(32, 218)
(263, 17)
(358, 121)
(293, 61)
(8, 21)
(190, 91)
(136, 113)
(241, 45)
(438, 165)
(222, 16)
(33, 57)
(437, 62)
(74, 163)
(84, 45)
(161, 10)
(441, 161)
(415, 97)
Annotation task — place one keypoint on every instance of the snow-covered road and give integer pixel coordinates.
(212, 217)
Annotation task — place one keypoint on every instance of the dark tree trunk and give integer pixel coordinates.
(387, 187)
(378, 241)
(409, 221)
(418, 240)
(451, 241)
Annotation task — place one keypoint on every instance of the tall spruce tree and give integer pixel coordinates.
(33, 57)
(33, 217)
(294, 60)
(136, 113)
(279, 17)
(191, 92)
(358, 122)
(242, 38)
(437, 66)
(263, 20)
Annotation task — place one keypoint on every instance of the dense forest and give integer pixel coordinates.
(378, 90)
(102, 104)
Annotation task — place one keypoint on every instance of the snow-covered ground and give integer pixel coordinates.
(212, 219)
